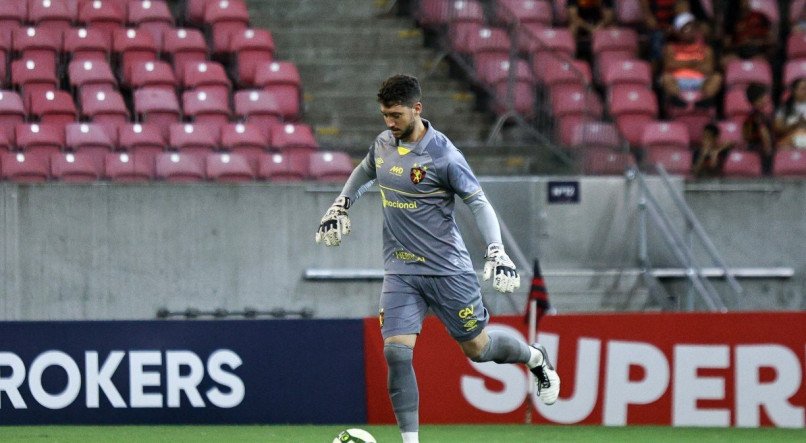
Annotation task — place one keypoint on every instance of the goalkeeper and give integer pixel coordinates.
(426, 263)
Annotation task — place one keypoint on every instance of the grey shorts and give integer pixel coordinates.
(455, 299)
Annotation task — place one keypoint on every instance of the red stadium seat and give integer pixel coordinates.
(91, 76)
(548, 45)
(133, 46)
(629, 12)
(6, 141)
(229, 167)
(284, 167)
(51, 14)
(740, 73)
(539, 12)
(613, 44)
(768, 8)
(152, 74)
(794, 70)
(194, 11)
(25, 167)
(521, 98)
(54, 107)
(77, 167)
(142, 139)
(665, 135)
(294, 137)
(207, 76)
(42, 45)
(632, 72)
(33, 77)
(465, 19)
(206, 109)
(245, 139)
(93, 138)
(796, 10)
(570, 109)
(433, 14)
(225, 18)
(39, 138)
(605, 161)
(596, 135)
(12, 16)
(181, 167)
(104, 107)
(152, 16)
(571, 75)
(796, 45)
(694, 120)
(130, 167)
(676, 161)
(330, 166)
(633, 107)
(259, 107)
(5, 50)
(731, 132)
(87, 44)
(790, 163)
(742, 164)
(488, 48)
(103, 15)
(190, 138)
(736, 107)
(183, 46)
(251, 48)
(12, 112)
(283, 79)
(157, 106)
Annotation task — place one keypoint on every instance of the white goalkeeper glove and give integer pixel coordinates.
(499, 266)
(335, 224)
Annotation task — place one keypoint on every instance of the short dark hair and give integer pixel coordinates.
(755, 91)
(400, 90)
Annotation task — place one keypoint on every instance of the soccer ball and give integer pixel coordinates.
(354, 436)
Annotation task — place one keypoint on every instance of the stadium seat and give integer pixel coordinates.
(694, 120)
(6, 141)
(283, 79)
(796, 45)
(82, 44)
(142, 139)
(104, 107)
(790, 163)
(796, 9)
(629, 12)
(194, 11)
(742, 164)
(33, 77)
(182, 46)
(731, 132)
(54, 107)
(432, 14)
(51, 14)
(571, 108)
(283, 167)
(103, 15)
(293, 137)
(25, 167)
(596, 135)
(793, 70)
(229, 167)
(153, 74)
(251, 48)
(91, 138)
(225, 18)
(42, 45)
(632, 107)
(676, 161)
(12, 112)
(509, 12)
(768, 8)
(548, 45)
(244, 139)
(193, 138)
(77, 167)
(488, 48)
(5, 51)
(613, 44)
(464, 18)
(130, 167)
(131, 46)
(39, 138)
(330, 166)
(630, 72)
(157, 106)
(206, 109)
(181, 167)
(522, 97)
(12, 16)
(258, 107)
(740, 73)
(736, 107)
(91, 76)
(207, 76)
(605, 161)
(665, 135)
(569, 75)
(152, 16)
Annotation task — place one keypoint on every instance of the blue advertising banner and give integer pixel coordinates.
(195, 371)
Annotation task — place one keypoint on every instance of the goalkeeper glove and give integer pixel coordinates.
(499, 266)
(335, 224)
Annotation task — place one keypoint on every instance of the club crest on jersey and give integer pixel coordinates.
(417, 174)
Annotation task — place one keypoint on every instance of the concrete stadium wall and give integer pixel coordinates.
(111, 251)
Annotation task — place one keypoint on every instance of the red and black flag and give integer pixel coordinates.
(537, 292)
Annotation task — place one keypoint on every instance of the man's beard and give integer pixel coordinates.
(407, 132)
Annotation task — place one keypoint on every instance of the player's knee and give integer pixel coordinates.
(473, 350)
(396, 353)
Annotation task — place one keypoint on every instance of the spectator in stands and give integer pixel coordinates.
(689, 71)
(748, 33)
(585, 17)
(710, 157)
(757, 128)
(790, 120)
(659, 20)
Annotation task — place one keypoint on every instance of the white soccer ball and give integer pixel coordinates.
(354, 436)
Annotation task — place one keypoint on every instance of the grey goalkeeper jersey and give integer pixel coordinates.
(417, 188)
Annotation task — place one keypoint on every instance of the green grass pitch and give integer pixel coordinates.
(389, 434)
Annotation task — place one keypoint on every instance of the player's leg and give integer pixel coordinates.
(401, 317)
(456, 299)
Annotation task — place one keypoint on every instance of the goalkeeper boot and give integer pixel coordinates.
(548, 382)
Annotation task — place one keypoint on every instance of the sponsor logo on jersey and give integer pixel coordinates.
(399, 205)
(396, 170)
(407, 256)
(378, 162)
(417, 174)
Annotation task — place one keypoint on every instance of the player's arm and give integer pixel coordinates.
(335, 223)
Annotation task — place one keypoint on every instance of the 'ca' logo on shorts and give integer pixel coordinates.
(466, 312)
